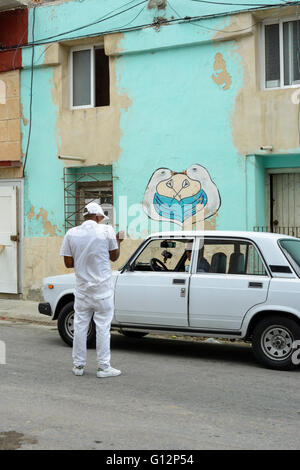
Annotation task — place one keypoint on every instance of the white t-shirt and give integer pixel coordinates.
(89, 245)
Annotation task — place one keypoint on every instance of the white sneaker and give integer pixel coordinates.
(109, 372)
(78, 370)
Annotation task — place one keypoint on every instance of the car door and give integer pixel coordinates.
(234, 280)
(147, 293)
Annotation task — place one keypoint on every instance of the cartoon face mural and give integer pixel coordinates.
(189, 196)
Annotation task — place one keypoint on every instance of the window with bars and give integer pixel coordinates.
(281, 54)
(83, 185)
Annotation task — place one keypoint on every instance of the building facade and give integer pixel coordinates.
(170, 114)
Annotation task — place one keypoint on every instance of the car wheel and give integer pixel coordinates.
(273, 340)
(65, 325)
(133, 334)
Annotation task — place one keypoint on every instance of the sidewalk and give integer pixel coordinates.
(21, 310)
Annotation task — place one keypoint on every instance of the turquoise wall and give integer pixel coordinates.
(43, 182)
(178, 116)
(177, 111)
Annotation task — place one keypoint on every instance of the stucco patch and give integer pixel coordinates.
(2, 92)
(31, 213)
(49, 229)
(262, 117)
(24, 120)
(221, 77)
(92, 133)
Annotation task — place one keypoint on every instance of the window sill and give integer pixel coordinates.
(76, 108)
(288, 87)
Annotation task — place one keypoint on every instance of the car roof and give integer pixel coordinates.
(221, 233)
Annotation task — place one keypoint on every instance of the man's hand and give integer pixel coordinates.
(114, 254)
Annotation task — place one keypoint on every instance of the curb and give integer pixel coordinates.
(22, 310)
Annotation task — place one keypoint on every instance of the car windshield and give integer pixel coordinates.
(291, 249)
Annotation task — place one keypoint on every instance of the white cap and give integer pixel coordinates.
(94, 208)
(189, 246)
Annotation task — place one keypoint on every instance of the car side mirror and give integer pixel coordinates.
(130, 267)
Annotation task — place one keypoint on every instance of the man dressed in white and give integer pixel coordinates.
(88, 249)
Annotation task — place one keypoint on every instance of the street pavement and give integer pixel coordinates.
(22, 310)
(173, 393)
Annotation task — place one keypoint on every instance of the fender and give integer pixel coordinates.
(55, 302)
(260, 310)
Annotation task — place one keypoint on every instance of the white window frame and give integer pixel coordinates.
(92, 84)
(280, 22)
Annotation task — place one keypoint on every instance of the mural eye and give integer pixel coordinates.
(185, 184)
(170, 184)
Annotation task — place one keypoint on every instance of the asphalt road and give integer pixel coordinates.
(173, 394)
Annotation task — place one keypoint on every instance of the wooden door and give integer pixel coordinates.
(285, 203)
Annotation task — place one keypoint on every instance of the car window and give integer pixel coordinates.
(229, 257)
(291, 249)
(165, 255)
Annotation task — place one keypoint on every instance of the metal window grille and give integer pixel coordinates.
(83, 185)
(293, 231)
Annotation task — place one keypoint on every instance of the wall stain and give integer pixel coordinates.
(83, 132)
(49, 229)
(24, 120)
(31, 213)
(159, 4)
(221, 77)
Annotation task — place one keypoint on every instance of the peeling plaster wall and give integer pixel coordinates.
(10, 133)
(180, 94)
(88, 133)
(262, 117)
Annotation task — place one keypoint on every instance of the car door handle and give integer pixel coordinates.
(255, 285)
(178, 281)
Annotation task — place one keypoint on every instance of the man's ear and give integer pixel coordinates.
(99, 218)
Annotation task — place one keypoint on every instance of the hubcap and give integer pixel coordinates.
(69, 325)
(277, 343)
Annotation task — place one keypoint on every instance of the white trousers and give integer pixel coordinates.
(103, 310)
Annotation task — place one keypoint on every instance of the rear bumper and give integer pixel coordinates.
(45, 308)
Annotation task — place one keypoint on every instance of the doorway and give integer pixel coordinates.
(283, 188)
(11, 235)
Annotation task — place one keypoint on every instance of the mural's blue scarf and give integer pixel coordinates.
(178, 210)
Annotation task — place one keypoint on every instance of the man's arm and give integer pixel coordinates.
(114, 254)
(69, 261)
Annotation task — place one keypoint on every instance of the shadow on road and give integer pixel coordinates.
(192, 349)
(237, 353)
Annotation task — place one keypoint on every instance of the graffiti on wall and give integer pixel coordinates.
(182, 198)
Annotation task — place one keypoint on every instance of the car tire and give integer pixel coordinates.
(65, 325)
(272, 342)
(133, 334)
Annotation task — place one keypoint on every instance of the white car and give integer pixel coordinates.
(234, 285)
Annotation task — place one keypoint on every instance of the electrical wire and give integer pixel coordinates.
(104, 18)
(25, 32)
(130, 22)
(223, 30)
(214, 29)
(123, 29)
(16, 51)
(31, 93)
(266, 5)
